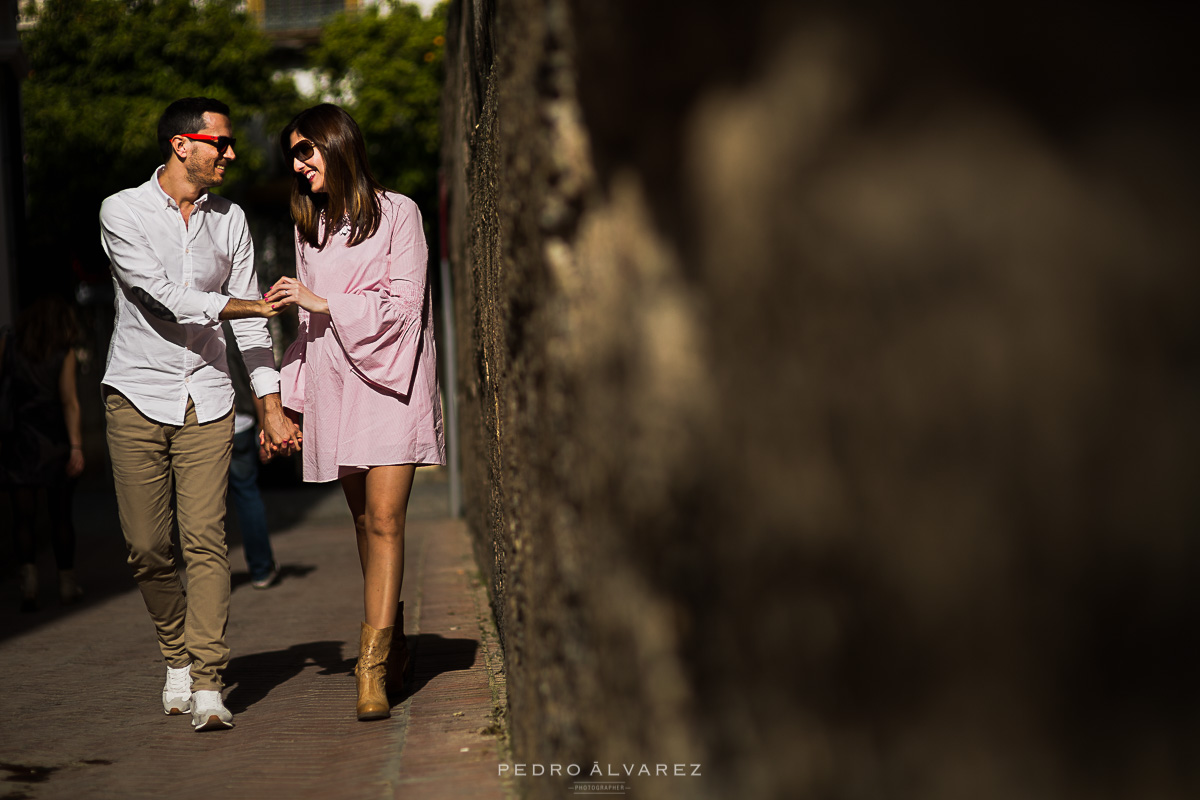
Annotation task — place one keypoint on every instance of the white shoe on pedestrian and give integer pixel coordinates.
(209, 713)
(177, 693)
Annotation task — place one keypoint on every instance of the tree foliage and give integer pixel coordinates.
(101, 73)
(384, 66)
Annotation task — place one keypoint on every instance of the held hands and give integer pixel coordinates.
(272, 441)
(291, 292)
(279, 435)
(268, 449)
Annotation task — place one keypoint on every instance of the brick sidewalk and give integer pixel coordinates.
(79, 691)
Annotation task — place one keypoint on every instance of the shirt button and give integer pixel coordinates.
(187, 380)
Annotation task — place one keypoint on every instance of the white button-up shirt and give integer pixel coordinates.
(172, 282)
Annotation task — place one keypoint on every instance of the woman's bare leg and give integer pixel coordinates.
(354, 486)
(378, 501)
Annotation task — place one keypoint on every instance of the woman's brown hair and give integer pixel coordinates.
(351, 191)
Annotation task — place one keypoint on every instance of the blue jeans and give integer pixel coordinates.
(248, 504)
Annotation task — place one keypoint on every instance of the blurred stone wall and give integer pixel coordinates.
(829, 391)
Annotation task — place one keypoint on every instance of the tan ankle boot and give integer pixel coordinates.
(398, 658)
(373, 648)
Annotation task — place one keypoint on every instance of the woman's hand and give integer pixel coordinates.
(264, 452)
(291, 292)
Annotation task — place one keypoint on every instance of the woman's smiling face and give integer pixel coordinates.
(312, 168)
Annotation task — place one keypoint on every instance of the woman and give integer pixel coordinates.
(362, 370)
(43, 452)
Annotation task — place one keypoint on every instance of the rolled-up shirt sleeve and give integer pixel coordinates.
(136, 268)
(253, 338)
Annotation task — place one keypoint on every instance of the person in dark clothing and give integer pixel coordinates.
(248, 413)
(42, 452)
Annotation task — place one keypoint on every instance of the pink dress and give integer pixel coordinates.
(365, 375)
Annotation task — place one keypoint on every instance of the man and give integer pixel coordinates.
(182, 261)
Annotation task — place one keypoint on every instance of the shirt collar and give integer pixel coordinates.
(166, 199)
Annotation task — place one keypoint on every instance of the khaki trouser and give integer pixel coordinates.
(147, 458)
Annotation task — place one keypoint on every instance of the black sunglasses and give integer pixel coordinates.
(303, 150)
(222, 143)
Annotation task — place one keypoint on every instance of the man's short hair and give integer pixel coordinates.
(185, 116)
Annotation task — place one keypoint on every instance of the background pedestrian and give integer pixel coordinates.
(41, 453)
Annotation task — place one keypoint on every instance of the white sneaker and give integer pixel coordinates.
(209, 713)
(177, 693)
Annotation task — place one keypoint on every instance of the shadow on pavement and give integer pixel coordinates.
(100, 554)
(434, 655)
(252, 677)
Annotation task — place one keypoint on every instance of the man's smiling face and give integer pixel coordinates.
(205, 164)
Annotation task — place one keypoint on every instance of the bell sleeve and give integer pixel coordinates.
(291, 374)
(380, 328)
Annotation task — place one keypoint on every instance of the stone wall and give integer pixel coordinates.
(829, 391)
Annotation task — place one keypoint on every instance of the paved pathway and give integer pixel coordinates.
(79, 687)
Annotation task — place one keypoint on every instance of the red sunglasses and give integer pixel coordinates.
(222, 143)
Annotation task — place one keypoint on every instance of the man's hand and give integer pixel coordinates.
(279, 434)
(244, 309)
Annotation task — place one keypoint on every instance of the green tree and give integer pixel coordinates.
(101, 73)
(384, 66)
